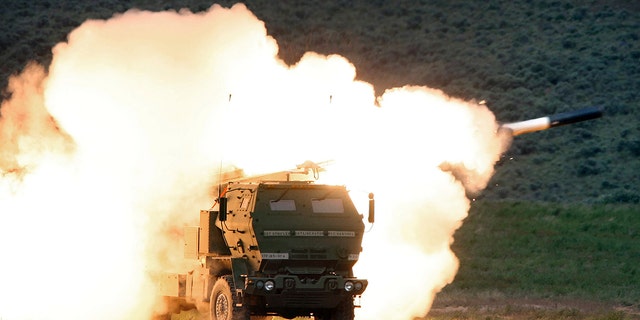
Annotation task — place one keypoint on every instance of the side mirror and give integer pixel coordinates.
(222, 209)
(371, 208)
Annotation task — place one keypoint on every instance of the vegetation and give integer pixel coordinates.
(581, 251)
(585, 260)
(525, 58)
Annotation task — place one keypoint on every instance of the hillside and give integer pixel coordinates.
(556, 233)
(525, 58)
(520, 260)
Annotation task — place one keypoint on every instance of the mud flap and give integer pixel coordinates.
(240, 270)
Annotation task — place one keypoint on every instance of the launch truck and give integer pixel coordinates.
(283, 245)
(278, 244)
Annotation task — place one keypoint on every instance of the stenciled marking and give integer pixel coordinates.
(275, 255)
(353, 256)
(277, 233)
(342, 234)
(308, 233)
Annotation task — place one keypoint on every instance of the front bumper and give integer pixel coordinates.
(291, 291)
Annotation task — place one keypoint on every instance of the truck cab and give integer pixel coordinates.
(276, 247)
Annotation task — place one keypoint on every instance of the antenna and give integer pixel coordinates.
(222, 201)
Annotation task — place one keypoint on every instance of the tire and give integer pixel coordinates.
(224, 300)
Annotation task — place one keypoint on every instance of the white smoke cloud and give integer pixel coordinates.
(137, 113)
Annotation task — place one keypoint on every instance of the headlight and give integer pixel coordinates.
(348, 286)
(269, 285)
(259, 284)
(358, 286)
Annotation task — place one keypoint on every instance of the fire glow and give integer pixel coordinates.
(106, 157)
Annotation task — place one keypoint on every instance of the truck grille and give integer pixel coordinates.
(308, 254)
(307, 300)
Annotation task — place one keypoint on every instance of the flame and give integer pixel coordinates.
(107, 156)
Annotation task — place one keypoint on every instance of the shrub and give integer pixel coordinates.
(631, 146)
(623, 196)
(588, 167)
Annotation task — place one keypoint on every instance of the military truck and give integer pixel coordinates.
(282, 245)
(278, 244)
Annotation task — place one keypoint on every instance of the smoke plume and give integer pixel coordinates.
(107, 156)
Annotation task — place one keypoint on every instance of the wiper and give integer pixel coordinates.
(282, 195)
(326, 194)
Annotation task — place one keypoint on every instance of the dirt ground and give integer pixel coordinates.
(496, 306)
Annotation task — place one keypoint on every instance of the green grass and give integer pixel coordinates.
(510, 312)
(549, 252)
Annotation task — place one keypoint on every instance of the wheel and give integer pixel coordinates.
(223, 302)
(344, 311)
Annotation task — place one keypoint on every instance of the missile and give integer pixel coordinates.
(544, 123)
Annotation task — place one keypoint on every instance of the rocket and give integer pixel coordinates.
(543, 123)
